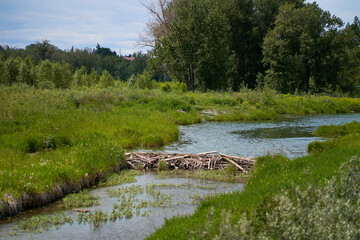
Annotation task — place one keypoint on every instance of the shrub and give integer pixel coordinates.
(331, 211)
(165, 87)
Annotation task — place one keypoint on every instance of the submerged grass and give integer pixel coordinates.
(50, 139)
(271, 176)
(79, 200)
(214, 175)
(125, 176)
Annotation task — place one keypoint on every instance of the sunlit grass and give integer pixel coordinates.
(53, 137)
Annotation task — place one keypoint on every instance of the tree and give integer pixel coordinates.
(61, 75)
(350, 76)
(80, 77)
(44, 74)
(41, 51)
(104, 51)
(27, 72)
(195, 47)
(302, 49)
(106, 80)
(11, 70)
(244, 42)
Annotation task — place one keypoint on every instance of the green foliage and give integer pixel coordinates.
(54, 137)
(132, 80)
(312, 213)
(106, 79)
(38, 224)
(11, 71)
(165, 87)
(144, 81)
(203, 60)
(338, 131)
(290, 49)
(79, 200)
(27, 72)
(44, 75)
(125, 176)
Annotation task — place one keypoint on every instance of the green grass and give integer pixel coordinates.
(271, 176)
(53, 137)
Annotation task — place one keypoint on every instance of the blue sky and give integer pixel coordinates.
(84, 23)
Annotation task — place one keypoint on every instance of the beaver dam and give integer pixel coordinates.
(208, 160)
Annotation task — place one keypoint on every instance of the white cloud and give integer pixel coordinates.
(82, 23)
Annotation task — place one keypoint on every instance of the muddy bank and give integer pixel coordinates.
(11, 206)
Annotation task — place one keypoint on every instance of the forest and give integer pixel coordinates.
(287, 45)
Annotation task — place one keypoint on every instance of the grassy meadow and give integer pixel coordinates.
(49, 138)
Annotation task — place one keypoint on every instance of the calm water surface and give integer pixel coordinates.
(184, 199)
(289, 136)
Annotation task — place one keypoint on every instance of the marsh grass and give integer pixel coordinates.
(52, 138)
(214, 175)
(125, 176)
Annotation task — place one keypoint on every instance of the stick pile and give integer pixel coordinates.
(209, 160)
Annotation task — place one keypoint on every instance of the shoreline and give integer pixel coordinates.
(13, 207)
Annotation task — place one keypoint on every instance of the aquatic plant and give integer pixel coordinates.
(81, 199)
(125, 176)
(94, 218)
(44, 223)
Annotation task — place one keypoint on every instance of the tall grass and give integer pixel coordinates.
(52, 137)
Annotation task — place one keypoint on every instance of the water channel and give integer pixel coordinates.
(288, 136)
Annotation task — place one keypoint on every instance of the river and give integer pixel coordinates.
(289, 135)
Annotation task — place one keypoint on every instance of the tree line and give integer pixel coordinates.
(45, 65)
(287, 45)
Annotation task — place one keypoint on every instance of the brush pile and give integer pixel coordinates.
(209, 160)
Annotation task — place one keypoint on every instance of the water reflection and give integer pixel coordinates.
(289, 136)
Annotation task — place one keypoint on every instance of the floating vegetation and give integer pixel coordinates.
(129, 201)
(132, 191)
(94, 218)
(215, 175)
(125, 176)
(81, 199)
(38, 224)
(130, 206)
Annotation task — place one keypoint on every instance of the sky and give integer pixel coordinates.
(84, 23)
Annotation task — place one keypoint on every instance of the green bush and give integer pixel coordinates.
(165, 87)
(331, 211)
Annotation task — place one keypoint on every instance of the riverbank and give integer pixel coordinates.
(54, 138)
(275, 179)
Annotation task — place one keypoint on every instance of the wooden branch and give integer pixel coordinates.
(143, 158)
(248, 159)
(206, 153)
(132, 165)
(175, 158)
(234, 163)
